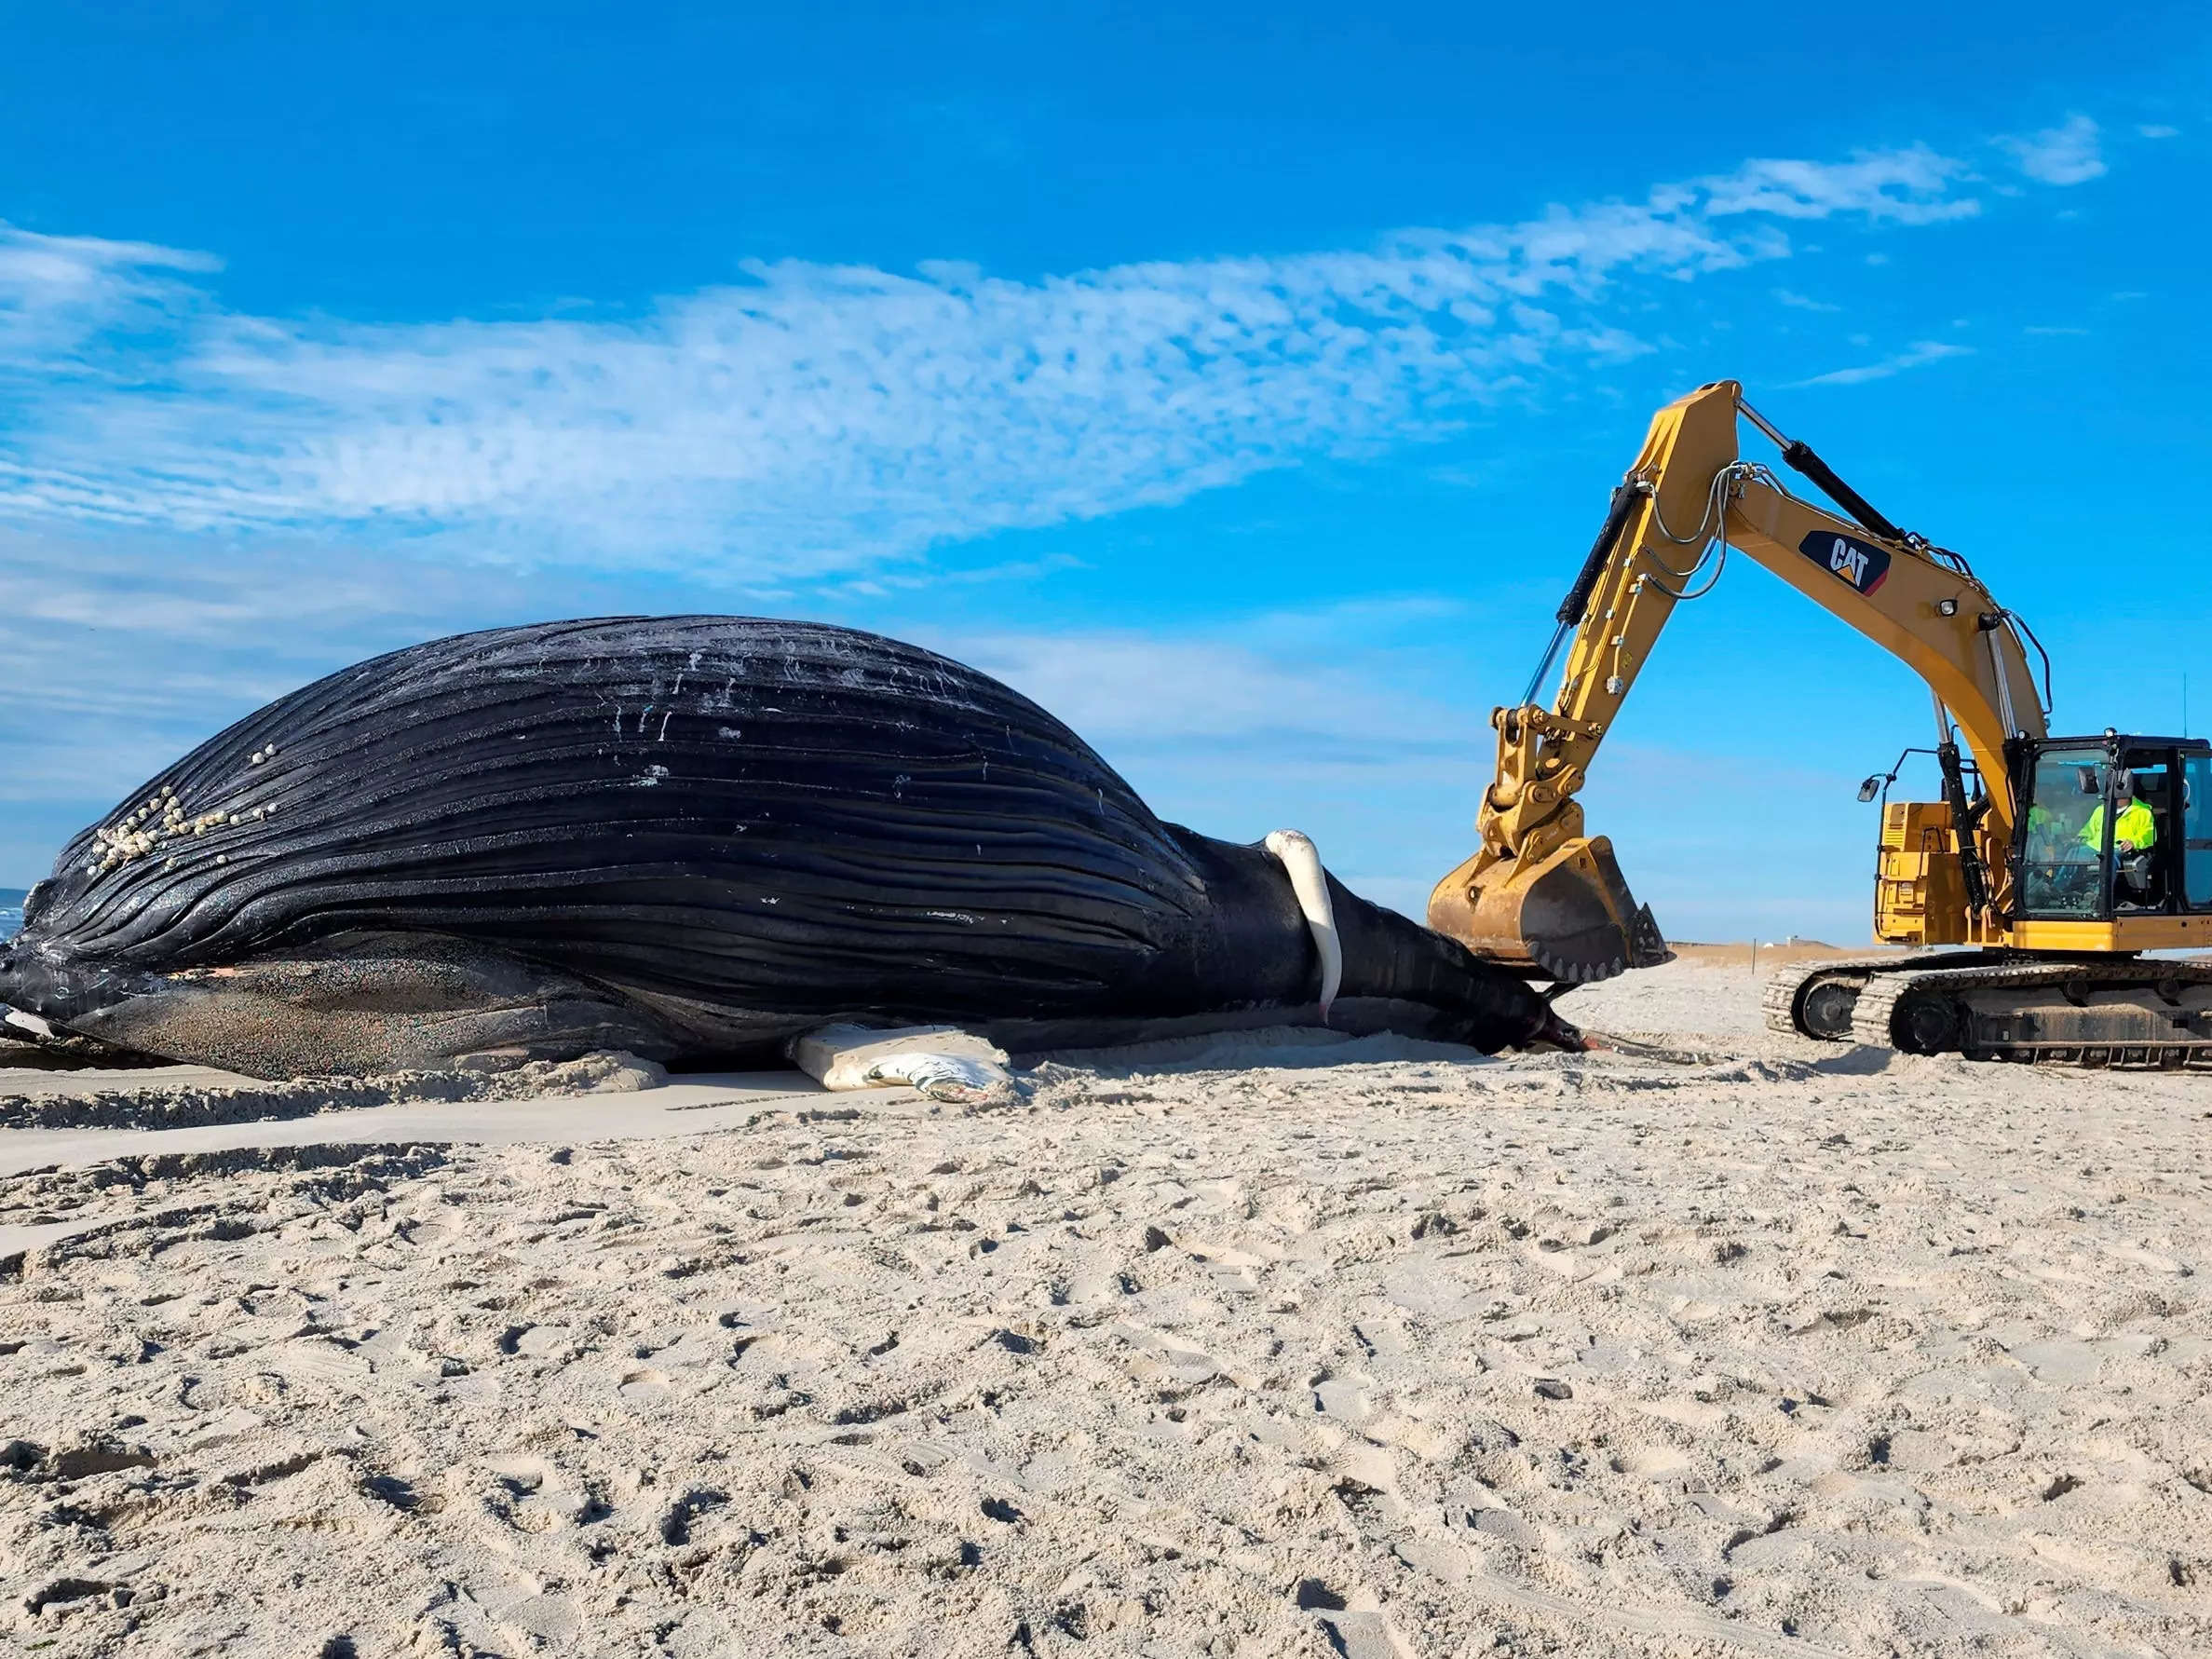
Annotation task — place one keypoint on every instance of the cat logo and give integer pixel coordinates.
(1864, 566)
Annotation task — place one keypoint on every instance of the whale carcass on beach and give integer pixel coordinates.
(695, 838)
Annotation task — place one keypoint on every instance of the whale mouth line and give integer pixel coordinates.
(1301, 861)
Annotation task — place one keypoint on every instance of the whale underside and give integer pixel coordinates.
(693, 838)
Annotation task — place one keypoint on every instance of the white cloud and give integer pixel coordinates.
(831, 419)
(1012, 570)
(114, 659)
(1801, 303)
(2154, 130)
(58, 294)
(1127, 690)
(1911, 186)
(1923, 352)
(2063, 155)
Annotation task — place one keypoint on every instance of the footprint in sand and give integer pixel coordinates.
(520, 1474)
(1652, 1463)
(319, 1361)
(1342, 1398)
(430, 1232)
(535, 1341)
(643, 1388)
(1355, 1625)
(543, 1619)
(211, 1394)
(273, 1303)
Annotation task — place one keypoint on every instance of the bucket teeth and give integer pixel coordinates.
(1647, 945)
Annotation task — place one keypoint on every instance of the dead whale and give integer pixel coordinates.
(695, 838)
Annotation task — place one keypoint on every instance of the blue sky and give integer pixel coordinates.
(1242, 383)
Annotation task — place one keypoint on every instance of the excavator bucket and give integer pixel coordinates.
(1568, 916)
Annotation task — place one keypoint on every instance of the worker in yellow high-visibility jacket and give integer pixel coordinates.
(2046, 836)
(2135, 829)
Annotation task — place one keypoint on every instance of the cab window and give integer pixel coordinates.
(2196, 830)
(2063, 861)
(2142, 831)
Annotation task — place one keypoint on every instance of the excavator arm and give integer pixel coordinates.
(1539, 893)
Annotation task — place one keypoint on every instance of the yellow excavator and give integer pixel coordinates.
(2028, 895)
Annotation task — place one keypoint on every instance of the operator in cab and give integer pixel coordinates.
(2134, 828)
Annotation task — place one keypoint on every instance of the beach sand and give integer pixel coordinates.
(1302, 1348)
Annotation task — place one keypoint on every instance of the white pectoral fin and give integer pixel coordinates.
(944, 1062)
(29, 1022)
(1294, 851)
(962, 1078)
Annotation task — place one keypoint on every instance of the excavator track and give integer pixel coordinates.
(2132, 1013)
(1816, 999)
(2126, 1013)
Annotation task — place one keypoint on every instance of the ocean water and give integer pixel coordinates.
(11, 910)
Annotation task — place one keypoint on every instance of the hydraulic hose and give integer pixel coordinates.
(1571, 609)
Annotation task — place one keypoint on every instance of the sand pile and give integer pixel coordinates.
(1782, 1350)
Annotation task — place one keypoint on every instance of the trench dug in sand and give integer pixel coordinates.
(1304, 1349)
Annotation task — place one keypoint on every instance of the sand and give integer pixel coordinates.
(1305, 1348)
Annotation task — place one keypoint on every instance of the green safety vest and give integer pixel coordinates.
(2135, 825)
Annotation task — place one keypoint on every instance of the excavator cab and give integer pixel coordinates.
(2115, 828)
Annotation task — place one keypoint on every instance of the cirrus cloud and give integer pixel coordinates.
(1921, 353)
(814, 419)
